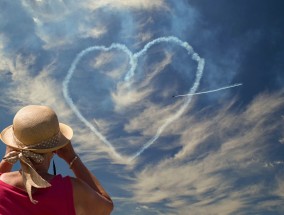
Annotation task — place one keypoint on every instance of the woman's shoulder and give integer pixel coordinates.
(13, 179)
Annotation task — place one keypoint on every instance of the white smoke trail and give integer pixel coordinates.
(211, 91)
(69, 99)
(130, 73)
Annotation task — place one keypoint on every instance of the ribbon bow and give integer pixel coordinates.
(30, 177)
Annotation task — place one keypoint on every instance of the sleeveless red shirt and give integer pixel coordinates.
(57, 199)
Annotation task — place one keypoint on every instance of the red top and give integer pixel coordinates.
(57, 199)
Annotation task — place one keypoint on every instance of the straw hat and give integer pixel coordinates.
(36, 128)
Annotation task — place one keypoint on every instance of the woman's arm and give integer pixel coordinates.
(88, 192)
(4, 165)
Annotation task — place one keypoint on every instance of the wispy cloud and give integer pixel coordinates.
(126, 97)
(123, 98)
(130, 4)
(149, 120)
(60, 23)
(220, 153)
(94, 32)
(4, 60)
(282, 140)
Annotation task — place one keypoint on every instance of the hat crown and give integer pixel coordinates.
(34, 124)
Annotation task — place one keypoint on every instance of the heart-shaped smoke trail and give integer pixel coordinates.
(130, 73)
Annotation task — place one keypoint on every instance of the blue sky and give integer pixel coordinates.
(110, 70)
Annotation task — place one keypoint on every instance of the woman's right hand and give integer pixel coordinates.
(67, 153)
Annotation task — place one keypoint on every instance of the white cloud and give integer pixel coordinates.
(60, 23)
(87, 31)
(5, 62)
(144, 37)
(218, 149)
(279, 189)
(49, 11)
(123, 97)
(149, 120)
(126, 4)
(32, 90)
(102, 61)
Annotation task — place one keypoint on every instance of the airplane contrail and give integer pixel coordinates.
(210, 91)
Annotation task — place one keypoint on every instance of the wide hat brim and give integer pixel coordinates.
(66, 134)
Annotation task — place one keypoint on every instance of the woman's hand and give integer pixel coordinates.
(8, 150)
(67, 153)
(4, 165)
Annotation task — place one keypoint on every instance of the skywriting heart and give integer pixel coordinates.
(133, 59)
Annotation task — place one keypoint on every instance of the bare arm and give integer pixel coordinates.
(88, 192)
(81, 172)
(4, 165)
